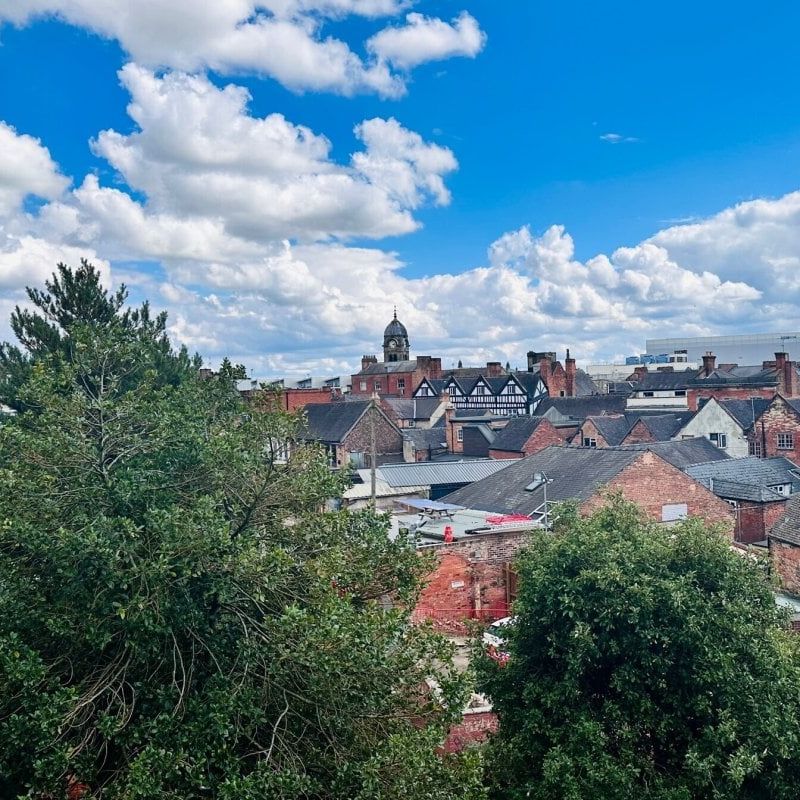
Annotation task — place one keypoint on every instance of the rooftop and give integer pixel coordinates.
(433, 473)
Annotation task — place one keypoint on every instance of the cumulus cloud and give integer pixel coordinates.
(26, 169)
(424, 39)
(283, 39)
(618, 138)
(198, 153)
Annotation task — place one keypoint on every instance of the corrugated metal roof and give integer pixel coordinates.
(433, 473)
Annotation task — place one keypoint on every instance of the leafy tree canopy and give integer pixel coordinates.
(178, 619)
(74, 299)
(646, 662)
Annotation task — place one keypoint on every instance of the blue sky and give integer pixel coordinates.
(628, 125)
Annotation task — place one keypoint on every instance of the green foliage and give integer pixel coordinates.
(647, 662)
(75, 300)
(180, 620)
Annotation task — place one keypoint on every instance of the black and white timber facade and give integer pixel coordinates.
(515, 394)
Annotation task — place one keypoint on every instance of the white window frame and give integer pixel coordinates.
(719, 439)
(785, 441)
(589, 441)
(459, 434)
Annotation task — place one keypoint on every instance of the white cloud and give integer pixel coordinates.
(26, 169)
(198, 154)
(283, 39)
(424, 39)
(618, 138)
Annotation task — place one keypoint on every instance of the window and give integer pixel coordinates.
(363, 386)
(589, 442)
(562, 393)
(680, 393)
(782, 488)
(460, 435)
(648, 394)
(480, 389)
(785, 441)
(377, 386)
(754, 448)
(719, 439)
(672, 512)
(401, 383)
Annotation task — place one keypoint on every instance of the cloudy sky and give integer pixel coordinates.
(278, 174)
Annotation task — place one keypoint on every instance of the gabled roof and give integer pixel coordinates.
(574, 472)
(401, 407)
(683, 453)
(787, 529)
(745, 412)
(331, 422)
(516, 433)
(763, 472)
(578, 408)
(663, 427)
(425, 406)
(584, 385)
(613, 428)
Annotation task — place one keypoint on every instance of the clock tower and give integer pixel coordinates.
(395, 341)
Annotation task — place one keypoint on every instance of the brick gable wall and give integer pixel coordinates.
(388, 440)
(693, 396)
(780, 417)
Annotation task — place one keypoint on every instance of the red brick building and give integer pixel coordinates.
(524, 436)
(784, 547)
(776, 432)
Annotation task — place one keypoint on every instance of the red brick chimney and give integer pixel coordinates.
(639, 373)
(709, 363)
(570, 369)
(494, 369)
(449, 413)
(367, 360)
(787, 377)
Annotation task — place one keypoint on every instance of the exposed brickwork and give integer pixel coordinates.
(652, 483)
(638, 434)
(694, 395)
(755, 520)
(779, 418)
(469, 581)
(399, 384)
(785, 560)
(299, 398)
(544, 436)
(588, 430)
(474, 728)
(388, 440)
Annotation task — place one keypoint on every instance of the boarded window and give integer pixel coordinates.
(672, 512)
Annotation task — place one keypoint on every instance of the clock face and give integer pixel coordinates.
(392, 343)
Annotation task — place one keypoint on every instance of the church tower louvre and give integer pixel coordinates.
(395, 341)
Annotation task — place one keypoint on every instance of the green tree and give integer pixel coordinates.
(180, 620)
(74, 299)
(646, 662)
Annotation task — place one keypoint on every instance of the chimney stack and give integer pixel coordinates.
(569, 370)
(367, 360)
(494, 369)
(787, 379)
(709, 363)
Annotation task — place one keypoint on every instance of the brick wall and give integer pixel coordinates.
(474, 728)
(780, 417)
(785, 560)
(638, 434)
(588, 430)
(298, 398)
(694, 395)
(651, 483)
(388, 439)
(469, 580)
(544, 436)
(755, 520)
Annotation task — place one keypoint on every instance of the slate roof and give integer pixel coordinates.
(331, 422)
(745, 411)
(584, 385)
(683, 453)
(665, 381)
(761, 472)
(385, 367)
(423, 438)
(403, 407)
(613, 428)
(787, 529)
(733, 490)
(512, 438)
(738, 376)
(575, 472)
(663, 427)
(434, 473)
(425, 406)
(578, 408)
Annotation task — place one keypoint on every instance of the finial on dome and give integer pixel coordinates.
(395, 312)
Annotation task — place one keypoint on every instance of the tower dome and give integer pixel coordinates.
(395, 341)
